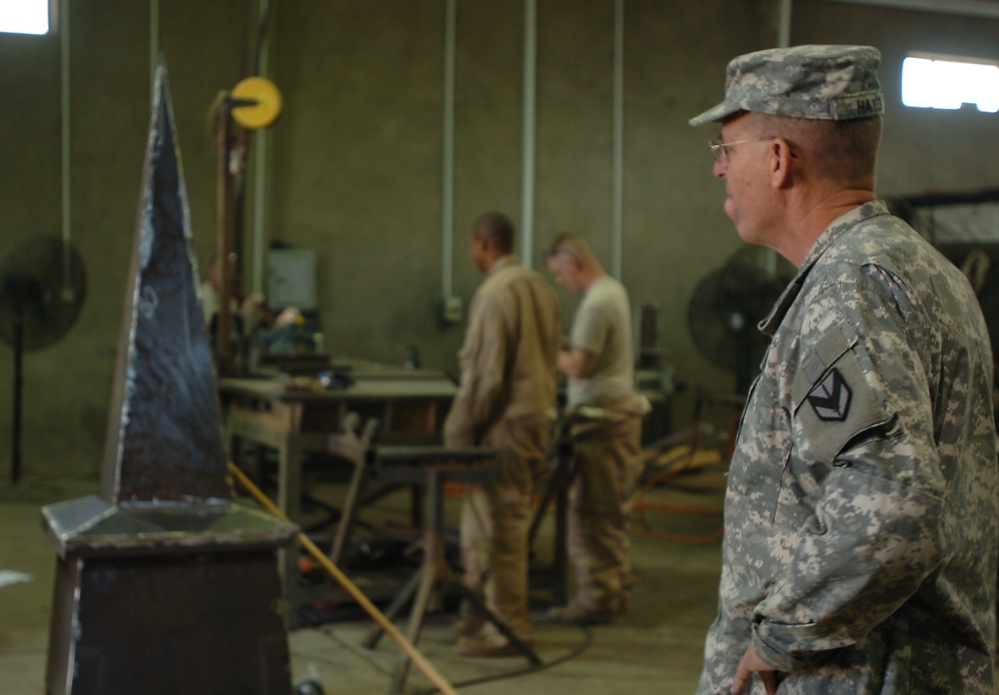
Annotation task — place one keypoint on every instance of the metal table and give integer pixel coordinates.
(296, 417)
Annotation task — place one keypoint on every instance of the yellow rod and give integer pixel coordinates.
(432, 673)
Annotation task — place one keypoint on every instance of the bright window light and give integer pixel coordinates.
(24, 16)
(930, 82)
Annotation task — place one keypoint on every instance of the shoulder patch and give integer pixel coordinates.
(831, 398)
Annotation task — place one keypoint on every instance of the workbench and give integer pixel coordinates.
(296, 416)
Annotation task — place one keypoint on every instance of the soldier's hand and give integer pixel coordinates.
(751, 664)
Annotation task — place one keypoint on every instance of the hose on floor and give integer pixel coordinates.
(534, 668)
(669, 463)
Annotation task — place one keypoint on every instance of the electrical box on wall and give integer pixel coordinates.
(451, 309)
(291, 279)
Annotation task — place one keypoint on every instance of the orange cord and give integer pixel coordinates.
(642, 527)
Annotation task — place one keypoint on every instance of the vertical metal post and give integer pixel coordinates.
(617, 163)
(65, 120)
(227, 256)
(784, 28)
(447, 184)
(260, 157)
(15, 470)
(154, 46)
(529, 137)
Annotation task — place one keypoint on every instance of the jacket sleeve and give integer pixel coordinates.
(871, 543)
(862, 420)
(481, 396)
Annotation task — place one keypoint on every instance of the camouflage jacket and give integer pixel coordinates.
(861, 511)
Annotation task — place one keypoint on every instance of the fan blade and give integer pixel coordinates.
(42, 285)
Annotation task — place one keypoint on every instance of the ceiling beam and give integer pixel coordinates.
(977, 8)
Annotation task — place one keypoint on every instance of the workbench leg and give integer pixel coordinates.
(234, 448)
(350, 507)
(258, 472)
(398, 603)
(557, 491)
(433, 546)
(415, 625)
(560, 593)
(289, 501)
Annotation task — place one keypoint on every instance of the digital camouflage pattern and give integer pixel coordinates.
(834, 83)
(861, 511)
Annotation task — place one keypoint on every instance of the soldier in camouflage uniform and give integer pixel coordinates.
(861, 511)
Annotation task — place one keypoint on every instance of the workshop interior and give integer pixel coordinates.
(322, 163)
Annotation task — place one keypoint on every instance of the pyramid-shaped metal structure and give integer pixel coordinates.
(163, 571)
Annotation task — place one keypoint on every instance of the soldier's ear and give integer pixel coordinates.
(781, 161)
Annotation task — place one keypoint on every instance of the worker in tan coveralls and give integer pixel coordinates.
(605, 416)
(506, 401)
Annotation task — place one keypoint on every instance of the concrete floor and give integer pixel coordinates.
(656, 648)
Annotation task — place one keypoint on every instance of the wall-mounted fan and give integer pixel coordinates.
(42, 288)
(728, 304)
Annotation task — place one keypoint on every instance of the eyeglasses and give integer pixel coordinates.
(718, 151)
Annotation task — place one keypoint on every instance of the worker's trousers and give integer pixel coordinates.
(496, 518)
(608, 464)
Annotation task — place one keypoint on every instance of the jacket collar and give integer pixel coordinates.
(840, 226)
(508, 261)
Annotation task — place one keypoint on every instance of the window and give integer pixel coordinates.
(944, 82)
(24, 16)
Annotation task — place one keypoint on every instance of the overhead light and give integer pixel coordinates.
(943, 82)
(24, 17)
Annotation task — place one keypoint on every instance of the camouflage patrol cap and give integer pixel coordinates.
(834, 83)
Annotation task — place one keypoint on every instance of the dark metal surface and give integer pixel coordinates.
(164, 584)
(164, 438)
(426, 454)
(411, 464)
(91, 527)
(174, 625)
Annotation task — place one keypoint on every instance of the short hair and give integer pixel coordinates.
(497, 228)
(574, 245)
(846, 150)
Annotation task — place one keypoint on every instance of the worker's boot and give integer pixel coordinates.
(489, 642)
(470, 620)
(574, 613)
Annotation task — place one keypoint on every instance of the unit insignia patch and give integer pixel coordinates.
(831, 398)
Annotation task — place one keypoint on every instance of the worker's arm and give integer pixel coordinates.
(481, 395)
(576, 362)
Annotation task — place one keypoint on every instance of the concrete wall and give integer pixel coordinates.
(67, 386)
(355, 161)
